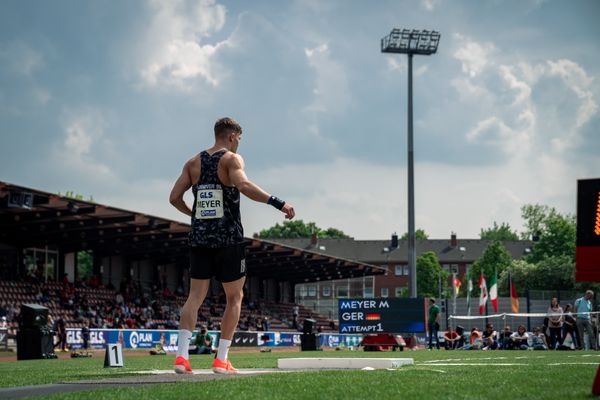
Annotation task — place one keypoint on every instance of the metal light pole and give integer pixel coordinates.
(411, 42)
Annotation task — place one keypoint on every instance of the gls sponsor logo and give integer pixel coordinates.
(243, 266)
(96, 337)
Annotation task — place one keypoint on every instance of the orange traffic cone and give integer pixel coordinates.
(596, 385)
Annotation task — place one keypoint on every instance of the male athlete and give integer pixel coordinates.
(216, 177)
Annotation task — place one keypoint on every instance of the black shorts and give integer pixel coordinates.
(225, 264)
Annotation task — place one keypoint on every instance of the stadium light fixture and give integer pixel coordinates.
(411, 42)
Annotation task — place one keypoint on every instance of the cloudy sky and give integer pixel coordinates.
(109, 98)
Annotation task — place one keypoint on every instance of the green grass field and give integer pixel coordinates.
(435, 375)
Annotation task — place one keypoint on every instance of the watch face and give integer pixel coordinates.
(588, 212)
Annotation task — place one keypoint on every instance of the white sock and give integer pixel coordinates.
(183, 343)
(223, 349)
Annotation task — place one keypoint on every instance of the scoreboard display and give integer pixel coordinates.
(587, 258)
(382, 315)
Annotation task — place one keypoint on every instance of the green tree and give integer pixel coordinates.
(428, 274)
(299, 229)
(494, 258)
(84, 264)
(419, 235)
(557, 232)
(502, 232)
(552, 273)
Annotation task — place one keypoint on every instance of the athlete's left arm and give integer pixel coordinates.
(182, 184)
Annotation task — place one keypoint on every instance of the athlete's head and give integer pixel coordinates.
(228, 132)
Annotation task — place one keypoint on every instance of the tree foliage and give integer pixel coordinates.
(552, 273)
(494, 258)
(502, 232)
(419, 235)
(428, 273)
(299, 229)
(557, 232)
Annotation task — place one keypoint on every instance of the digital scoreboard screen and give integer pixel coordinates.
(587, 258)
(382, 315)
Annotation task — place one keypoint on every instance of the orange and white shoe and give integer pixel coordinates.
(182, 366)
(223, 367)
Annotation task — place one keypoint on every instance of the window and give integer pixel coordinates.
(326, 291)
(368, 294)
(342, 291)
(312, 291)
(399, 270)
(446, 267)
(302, 291)
(406, 270)
(384, 292)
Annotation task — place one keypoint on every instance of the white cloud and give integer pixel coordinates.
(331, 92)
(176, 55)
(83, 129)
(430, 5)
(474, 56)
(20, 58)
(369, 201)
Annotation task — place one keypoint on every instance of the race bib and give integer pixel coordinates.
(209, 204)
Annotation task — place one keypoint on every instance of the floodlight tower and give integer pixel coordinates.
(410, 42)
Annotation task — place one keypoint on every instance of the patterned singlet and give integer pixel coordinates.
(216, 219)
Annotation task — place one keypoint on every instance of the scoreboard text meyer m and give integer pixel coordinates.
(382, 315)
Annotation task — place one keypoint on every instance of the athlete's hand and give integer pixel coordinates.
(288, 210)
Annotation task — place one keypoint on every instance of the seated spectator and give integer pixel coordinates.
(538, 340)
(203, 342)
(504, 342)
(490, 338)
(451, 339)
(475, 341)
(519, 340)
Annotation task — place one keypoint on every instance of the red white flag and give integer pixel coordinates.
(483, 296)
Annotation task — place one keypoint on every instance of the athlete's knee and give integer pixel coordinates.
(235, 297)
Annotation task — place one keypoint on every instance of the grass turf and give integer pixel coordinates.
(535, 375)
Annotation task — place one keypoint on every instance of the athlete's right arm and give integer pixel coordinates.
(250, 189)
(182, 184)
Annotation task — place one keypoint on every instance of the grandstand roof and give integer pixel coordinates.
(33, 218)
(381, 252)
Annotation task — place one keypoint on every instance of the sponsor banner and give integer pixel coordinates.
(245, 339)
(4, 338)
(279, 339)
(129, 338)
(336, 340)
(148, 338)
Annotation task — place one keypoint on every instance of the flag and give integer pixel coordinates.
(456, 283)
(494, 292)
(469, 290)
(514, 300)
(483, 294)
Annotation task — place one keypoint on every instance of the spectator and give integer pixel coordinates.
(569, 327)
(451, 339)
(490, 338)
(538, 340)
(555, 323)
(520, 339)
(61, 333)
(433, 324)
(3, 323)
(475, 341)
(203, 342)
(504, 342)
(583, 307)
